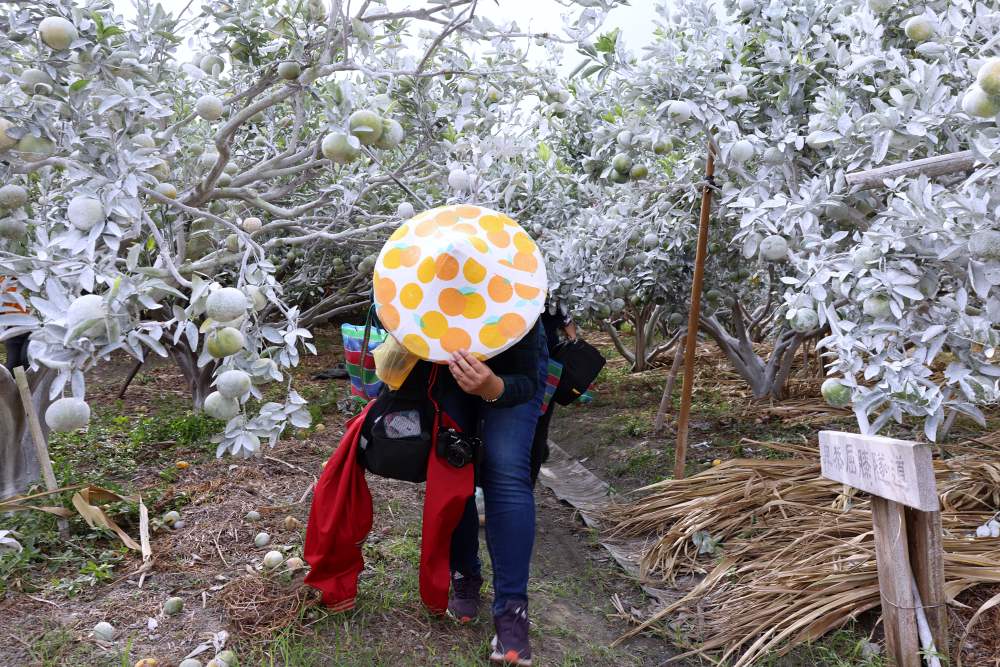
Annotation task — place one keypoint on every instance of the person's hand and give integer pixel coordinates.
(570, 331)
(475, 377)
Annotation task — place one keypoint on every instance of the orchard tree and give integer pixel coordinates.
(901, 282)
(212, 208)
(626, 255)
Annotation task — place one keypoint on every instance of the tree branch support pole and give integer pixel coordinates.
(41, 450)
(691, 342)
(668, 389)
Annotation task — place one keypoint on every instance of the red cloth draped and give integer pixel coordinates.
(341, 519)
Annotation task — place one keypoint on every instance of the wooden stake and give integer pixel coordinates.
(41, 450)
(668, 389)
(680, 456)
(899, 619)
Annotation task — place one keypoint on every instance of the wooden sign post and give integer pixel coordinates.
(899, 475)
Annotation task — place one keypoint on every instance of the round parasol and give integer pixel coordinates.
(459, 277)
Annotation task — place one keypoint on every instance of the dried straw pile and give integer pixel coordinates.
(258, 607)
(797, 557)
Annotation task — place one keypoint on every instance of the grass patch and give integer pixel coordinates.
(115, 446)
(847, 647)
(642, 463)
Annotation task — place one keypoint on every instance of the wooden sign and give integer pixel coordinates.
(897, 470)
(907, 530)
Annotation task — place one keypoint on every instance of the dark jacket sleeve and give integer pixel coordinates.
(518, 368)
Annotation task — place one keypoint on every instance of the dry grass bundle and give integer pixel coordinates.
(257, 607)
(798, 553)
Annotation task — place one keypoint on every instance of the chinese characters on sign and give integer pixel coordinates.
(893, 469)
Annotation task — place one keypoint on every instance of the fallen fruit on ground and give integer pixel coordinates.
(171, 517)
(253, 515)
(173, 606)
(104, 631)
(261, 540)
(273, 559)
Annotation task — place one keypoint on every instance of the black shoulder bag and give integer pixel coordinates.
(403, 425)
(581, 363)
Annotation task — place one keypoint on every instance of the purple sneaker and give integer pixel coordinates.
(510, 645)
(463, 604)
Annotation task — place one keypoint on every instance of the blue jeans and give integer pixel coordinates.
(505, 476)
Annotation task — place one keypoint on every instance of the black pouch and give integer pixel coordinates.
(397, 437)
(581, 363)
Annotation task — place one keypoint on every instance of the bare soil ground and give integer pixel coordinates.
(51, 603)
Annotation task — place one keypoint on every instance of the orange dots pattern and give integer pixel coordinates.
(455, 339)
(447, 266)
(500, 239)
(527, 291)
(473, 271)
(433, 324)
(388, 316)
(500, 289)
(427, 270)
(411, 295)
(451, 301)
(459, 277)
(385, 290)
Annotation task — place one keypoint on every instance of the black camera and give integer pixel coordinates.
(456, 448)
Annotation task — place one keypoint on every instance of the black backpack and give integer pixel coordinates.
(581, 363)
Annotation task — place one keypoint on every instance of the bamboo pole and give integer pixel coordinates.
(691, 344)
(41, 450)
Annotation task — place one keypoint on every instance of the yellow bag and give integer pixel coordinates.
(393, 362)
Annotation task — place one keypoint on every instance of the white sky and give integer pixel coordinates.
(635, 21)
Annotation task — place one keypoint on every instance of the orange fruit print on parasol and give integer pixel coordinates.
(459, 277)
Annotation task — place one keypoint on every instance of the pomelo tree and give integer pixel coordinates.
(210, 207)
(899, 282)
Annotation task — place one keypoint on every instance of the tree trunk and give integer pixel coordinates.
(639, 336)
(668, 390)
(199, 380)
(767, 379)
(18, 462)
